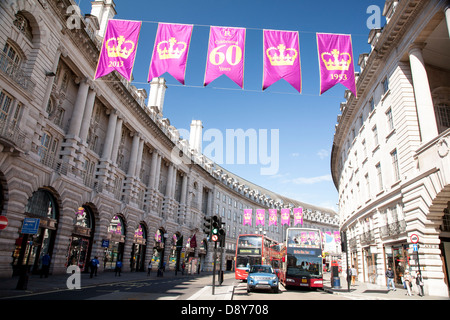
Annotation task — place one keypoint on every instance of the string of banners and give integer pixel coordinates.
(285, 215)
(281, 52)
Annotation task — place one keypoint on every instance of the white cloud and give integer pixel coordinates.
(312, 180)
(295, 154)
(323, 153)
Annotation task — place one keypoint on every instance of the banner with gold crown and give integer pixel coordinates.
(272, 217)
(336, 61)
(281, 58)
(225, 55)
(170, 51)
(119, 48)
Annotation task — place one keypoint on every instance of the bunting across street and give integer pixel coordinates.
(226, 55)
(119, 48)
(281, 58)
(335, 61)
(170, 51)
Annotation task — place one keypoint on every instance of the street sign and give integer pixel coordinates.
(215, 237)
(3, 222)
(105, 243)
(415, 247)
(414, 238)
(30, 225)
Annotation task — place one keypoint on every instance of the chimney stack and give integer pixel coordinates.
(195, 137)
(157, 92)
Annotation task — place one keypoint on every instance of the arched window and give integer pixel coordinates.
(42, 204)
(443, 116)
(24, 26)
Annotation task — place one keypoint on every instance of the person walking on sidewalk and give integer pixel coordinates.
(390, 279)
(118, 269)
(419, 283)
(149, 267)
(354, 274)
(408, 283)
(94, 266)
(45, 265)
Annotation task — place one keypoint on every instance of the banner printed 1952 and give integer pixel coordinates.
(225, 55)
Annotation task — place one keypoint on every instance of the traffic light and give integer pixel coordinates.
(222, 233)
(343, 241)
(207, 225)
(215, 225)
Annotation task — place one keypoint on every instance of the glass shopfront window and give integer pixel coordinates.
(81, 239)
(137, 262)
(116, 237)
(397, 257)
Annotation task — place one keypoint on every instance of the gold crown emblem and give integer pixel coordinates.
(283, 58)
(174, 51)
(122, 48)
(333, 63)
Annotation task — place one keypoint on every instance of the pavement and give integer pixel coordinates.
(360, 291)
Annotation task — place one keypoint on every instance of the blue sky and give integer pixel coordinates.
(305, 121)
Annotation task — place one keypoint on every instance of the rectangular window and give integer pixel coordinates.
(395, 165)
(372, 105)
(5, 104)
(390, 120)
(375, 136)
(385, 84)
(379, 176)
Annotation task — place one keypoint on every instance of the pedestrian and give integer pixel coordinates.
(354, 274)
(118, 269)
(390, 279)
(408, 283)
(419, 283)
(45, 265)
(94, 266)
(149, 268)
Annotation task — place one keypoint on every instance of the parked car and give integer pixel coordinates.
(262, 277)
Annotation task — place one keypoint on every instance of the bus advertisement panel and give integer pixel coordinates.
(302, 258)
(253, 249)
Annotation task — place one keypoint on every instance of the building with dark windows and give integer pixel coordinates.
(93, 160)
(390, 158)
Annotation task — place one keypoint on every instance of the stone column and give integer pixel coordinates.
(134, 155)
(107, 148)
(84, 129)
(117, 137)
(447, 17)
(78, 109)
(152, 183)
(422, 92)
(139, 159)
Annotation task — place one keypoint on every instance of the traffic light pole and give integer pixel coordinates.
(214, 268)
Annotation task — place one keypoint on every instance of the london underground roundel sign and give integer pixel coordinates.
(414, 238)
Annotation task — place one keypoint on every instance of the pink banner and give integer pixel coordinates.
(285, 216)
(298, 216)
(260, 219)
(225, 55)
(170, 51)
(247, 217)
(281, 58)
(118, 48)
(272, 217)
(336, 61)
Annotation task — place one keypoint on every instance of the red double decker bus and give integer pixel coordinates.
(253, 249)
(301, 264)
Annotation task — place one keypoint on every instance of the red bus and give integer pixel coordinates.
(254, 249)
(301, 264)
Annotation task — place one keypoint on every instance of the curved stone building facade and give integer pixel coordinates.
(390, 158)
(96, 162)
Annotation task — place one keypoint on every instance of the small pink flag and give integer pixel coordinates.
(118, 48)
(225, 55)
(272, 217)
(260, 219)
(298, 216)
(285, 216)
(247, 217)
(281, 58)
(170, 51)
(336, 61)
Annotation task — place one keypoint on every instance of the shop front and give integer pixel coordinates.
(116, 237)
(137, 262)
(370, 264)
(397, 257)
(30, 248)
(81, 243)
